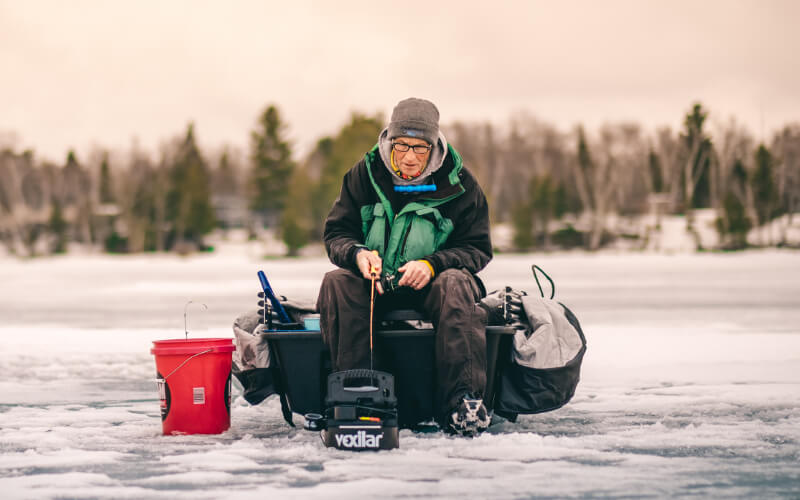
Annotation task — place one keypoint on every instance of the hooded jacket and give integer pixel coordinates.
(448, 227)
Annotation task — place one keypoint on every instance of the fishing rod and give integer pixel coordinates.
(373, 274)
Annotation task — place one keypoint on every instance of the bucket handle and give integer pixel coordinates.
(187, 360)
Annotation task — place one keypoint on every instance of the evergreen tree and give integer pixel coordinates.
(272, 165)
(739, 177)
(295, 220)
(543, 192)
(563, 203)
(657, 179)
(320, 205)
(345, 150)
(765, 190)
(531, 218)
(586, 167)
(57, 226)
(106, 186)
(189, 207)
(143, 200)
(76, 194)
(697, 151)
(142, 216)
(522, 222)
(338, 155)
(696, 176)
(734, 225)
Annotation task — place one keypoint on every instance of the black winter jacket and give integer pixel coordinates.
(468, 246)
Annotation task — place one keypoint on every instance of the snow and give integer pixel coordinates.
(690, 386)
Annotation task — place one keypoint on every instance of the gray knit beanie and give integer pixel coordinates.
(416, 118)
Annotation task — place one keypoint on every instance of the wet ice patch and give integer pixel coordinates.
(221, 459)
(189, 480)
(31, 460)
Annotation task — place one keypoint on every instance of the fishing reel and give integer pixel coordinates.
(389, 283)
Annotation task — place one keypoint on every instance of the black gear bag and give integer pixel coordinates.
(546, 357)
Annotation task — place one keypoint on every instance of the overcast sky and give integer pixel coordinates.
(83, 73)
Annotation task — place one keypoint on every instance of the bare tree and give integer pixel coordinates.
(786, 146)
(730, 159)
(733, 143)
(667, 149)
(74, 192)
(141, 200)
(25, 193)
(596, 177)
(629, 148)
(496, 172)
(696, 159)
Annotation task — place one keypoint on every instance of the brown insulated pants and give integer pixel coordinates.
(449, 301)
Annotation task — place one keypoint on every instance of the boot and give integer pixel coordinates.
(470, 417)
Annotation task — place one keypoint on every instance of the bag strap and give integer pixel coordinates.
(534, 268)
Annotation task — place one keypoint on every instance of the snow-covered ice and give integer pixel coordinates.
(690, 386)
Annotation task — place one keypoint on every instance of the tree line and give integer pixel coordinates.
(555, 189)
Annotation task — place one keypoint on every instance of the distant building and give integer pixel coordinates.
(230, 210)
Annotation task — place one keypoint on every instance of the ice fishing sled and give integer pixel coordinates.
(303, 364)
(533, 366)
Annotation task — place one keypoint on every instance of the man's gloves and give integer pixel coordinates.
(494, 306)
(504, 307)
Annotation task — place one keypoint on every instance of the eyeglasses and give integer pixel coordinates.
(419, 149)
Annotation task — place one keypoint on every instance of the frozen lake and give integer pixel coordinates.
(690, 386)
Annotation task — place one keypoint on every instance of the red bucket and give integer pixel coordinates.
(194, 384)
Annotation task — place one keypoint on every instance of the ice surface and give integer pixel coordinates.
(690, 386)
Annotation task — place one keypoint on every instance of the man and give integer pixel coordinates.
(410, 212)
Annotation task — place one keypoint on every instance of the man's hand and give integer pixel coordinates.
(370, 264)
(416, 274)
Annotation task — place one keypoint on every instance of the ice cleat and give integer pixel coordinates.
(470, 417)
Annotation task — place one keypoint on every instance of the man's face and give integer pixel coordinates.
(409, 162)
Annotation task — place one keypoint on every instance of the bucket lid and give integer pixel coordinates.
(192, 346)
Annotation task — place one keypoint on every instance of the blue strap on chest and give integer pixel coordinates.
(422, 188)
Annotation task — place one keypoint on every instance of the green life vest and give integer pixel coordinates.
(418, 230)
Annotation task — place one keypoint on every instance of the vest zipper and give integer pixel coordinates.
(386, 230)
(402, 251)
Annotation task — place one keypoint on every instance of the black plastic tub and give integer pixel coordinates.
(304, 364)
